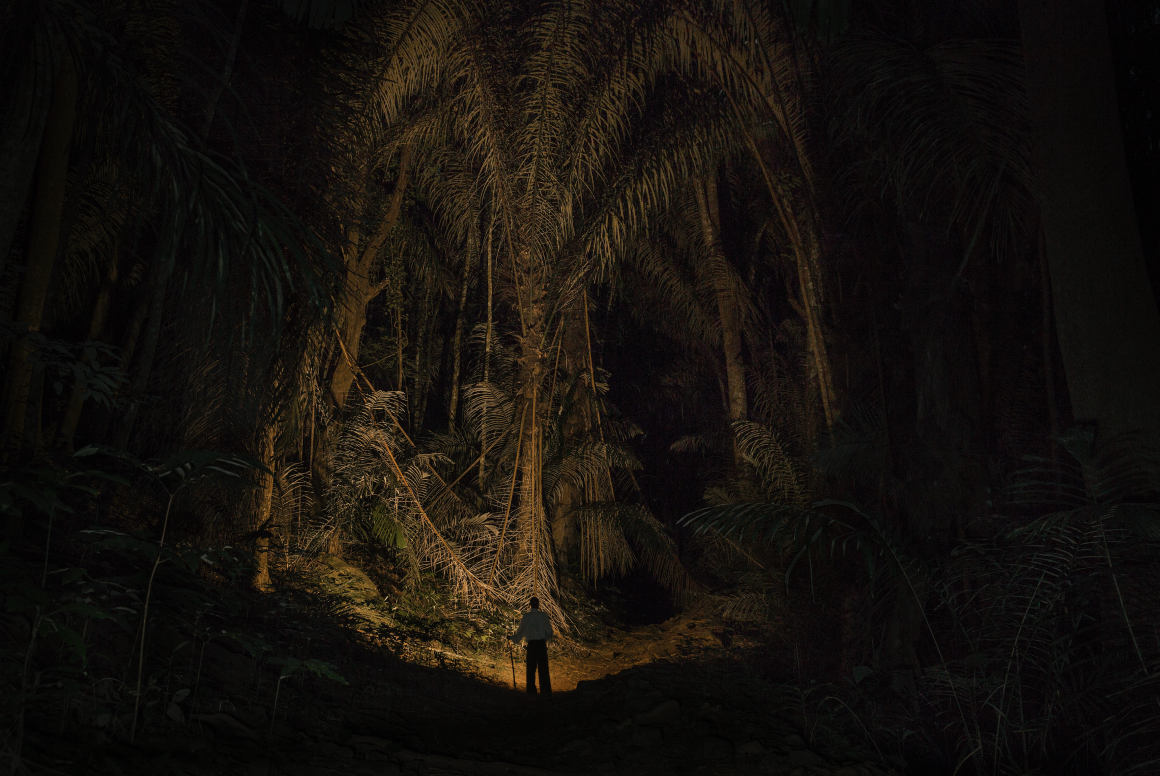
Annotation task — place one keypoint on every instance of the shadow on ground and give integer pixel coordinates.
(418, 696)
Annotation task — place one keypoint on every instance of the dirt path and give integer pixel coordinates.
(658, 699)
(571, 664)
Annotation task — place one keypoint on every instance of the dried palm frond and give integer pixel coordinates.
(383, 487)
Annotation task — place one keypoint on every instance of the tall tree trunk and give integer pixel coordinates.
(460, 317)
(262, 518)
(21, 133)
(486, 357)
(43, 237)
(728, 305)
(538, 578)
(572, 362)
(359, 290)
(1106, 317)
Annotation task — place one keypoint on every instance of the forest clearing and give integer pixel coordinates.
(797, 361)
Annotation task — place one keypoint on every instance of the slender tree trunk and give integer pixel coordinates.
(808, 270)
(21, 133)
(43, 237)
(728, 306)
(262, 518)
(1106, 317)
(802, 230)
(140, 382)
(486, 357)
(1046, 346)
(413, 402)
(460, 316)
(72, 414)
(399, 384)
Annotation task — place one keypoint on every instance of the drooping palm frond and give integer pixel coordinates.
(1121, 471)
(946, 128)
(209, 208)
(815, 529)
(1053, 611)
(782, 481)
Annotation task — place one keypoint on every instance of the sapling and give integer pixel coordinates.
(289, 666)
(180, 470)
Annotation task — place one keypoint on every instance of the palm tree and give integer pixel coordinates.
(535, 134)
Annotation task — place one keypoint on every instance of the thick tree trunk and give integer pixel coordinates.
(460, 317)
(728, 306)
(539, 576)
(573, 364)
(21, 132)
(1105, 314)
(43, 237)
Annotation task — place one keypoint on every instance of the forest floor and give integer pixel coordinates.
(428, 690)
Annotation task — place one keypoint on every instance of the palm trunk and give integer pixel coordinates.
(457, 339)
(728, 307)
(538, 578)
(43, 238)
(1106, 318)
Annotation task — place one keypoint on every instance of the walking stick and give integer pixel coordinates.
(511, 655)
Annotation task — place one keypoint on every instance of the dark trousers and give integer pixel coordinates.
(538, 658)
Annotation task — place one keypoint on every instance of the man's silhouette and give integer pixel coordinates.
(537, 629)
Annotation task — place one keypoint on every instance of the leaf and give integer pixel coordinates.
(180, 695)
(861, 672)
(174, 712)
(321, 668)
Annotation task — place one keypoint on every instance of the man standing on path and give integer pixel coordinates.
(537, 629)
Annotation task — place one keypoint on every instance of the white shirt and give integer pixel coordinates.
(534, 626)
